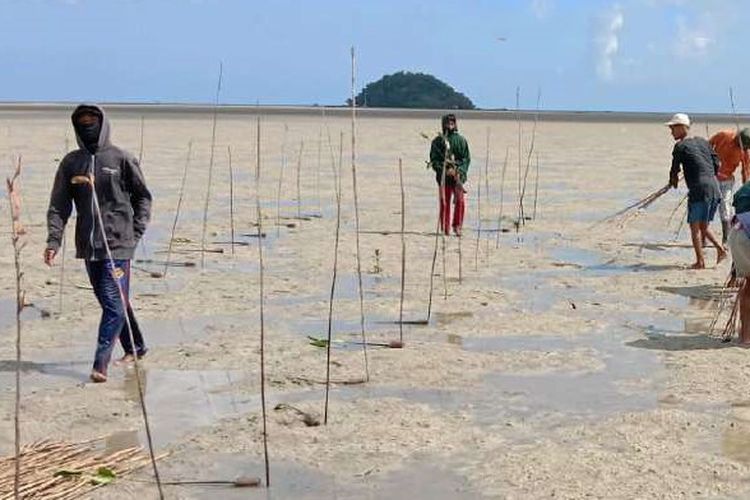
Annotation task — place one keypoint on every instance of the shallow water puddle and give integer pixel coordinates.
(181, 400)
(8, 313)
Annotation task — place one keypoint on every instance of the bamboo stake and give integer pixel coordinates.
(502, 199)
(334, 274)
(262, 311)
(177, 210)
(439, 232)
(17, 230)
(479, 221)
(403, 252)
(210, 167)
(129, 327)
(62, 273)
(460, 261)
(64, 244)
(518, 121)
(356, 215)
(528, 159)
(144, 251)
(317, 170)
(299, 175)
(281, 180)
(488, 200)
(231, 197)
(536, 188)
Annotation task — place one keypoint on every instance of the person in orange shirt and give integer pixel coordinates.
(732, 150)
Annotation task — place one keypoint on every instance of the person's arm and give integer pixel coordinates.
(463, 166)
(140, 197)
(58, 212)
(715, 160)
(745, 164)
(437, 154)
(674, 172)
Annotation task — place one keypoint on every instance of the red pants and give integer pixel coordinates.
(457, 192)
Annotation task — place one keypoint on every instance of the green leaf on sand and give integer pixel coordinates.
(316, 342)
(104, 475)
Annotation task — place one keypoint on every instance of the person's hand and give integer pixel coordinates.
(49, 256)
(451, 172)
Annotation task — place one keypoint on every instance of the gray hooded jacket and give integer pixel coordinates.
(124, 199)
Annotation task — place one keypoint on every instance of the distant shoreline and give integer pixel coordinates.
(343, 111)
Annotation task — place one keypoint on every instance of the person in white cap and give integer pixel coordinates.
(700, 165)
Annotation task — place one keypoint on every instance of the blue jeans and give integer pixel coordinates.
(113, 324)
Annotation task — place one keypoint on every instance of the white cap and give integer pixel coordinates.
(679, 119)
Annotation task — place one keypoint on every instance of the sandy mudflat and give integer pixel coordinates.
(570, 361)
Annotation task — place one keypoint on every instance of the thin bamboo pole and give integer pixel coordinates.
(14, 197)
(129, 327)
(281, 180)
(488, 200)
(334, 274)
(479, 222)
(356, 215)
(261, 298)
(61, 293)
(536, 188)
(231, 197)
(177, 210)
(403, 252)
(299, 181)
(520, 173)
(438, 226)
(522, 212)
(317, 171)
(502, 199)
(210, 167)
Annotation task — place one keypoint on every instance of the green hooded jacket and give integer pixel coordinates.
(459, 150)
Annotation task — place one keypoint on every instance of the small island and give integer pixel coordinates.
(411, 90)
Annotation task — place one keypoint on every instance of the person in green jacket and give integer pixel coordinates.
(450, 159)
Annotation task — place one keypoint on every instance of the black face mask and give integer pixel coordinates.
(89, 134)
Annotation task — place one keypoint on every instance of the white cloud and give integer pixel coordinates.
(692, 41)
(541, 8)
(608, 42)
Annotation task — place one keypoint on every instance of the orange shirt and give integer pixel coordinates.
(727, 148)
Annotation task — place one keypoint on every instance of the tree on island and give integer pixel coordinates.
(411, 90)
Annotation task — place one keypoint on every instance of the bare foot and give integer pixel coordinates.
(128, 359)
(721, 255)
(698, 265)
(97, 377)
(457, 231)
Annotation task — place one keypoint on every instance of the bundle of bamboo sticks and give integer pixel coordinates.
(62, 470)
(631, 211)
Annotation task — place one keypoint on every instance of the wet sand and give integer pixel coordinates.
(570, 361)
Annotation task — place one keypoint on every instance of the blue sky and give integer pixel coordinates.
(639, 55)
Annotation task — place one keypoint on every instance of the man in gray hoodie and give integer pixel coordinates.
(113, 207)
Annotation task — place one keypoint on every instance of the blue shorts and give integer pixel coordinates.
(702, 211)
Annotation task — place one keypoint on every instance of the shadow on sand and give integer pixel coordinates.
(680, 343)
(704, 292)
